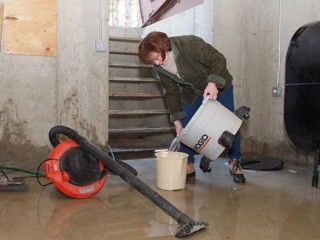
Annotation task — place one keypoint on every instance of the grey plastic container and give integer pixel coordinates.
(206, 126)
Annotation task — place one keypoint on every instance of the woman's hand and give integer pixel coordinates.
(178, 126)
(211, 90)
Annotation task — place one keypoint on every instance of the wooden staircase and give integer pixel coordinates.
(138, 117)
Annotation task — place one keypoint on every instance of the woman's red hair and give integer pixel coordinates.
(154, 42)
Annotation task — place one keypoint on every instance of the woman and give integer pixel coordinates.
(191, 69)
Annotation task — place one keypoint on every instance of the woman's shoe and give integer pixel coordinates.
(236, 171)
(191, 173)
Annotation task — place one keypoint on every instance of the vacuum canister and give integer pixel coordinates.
(211, 129)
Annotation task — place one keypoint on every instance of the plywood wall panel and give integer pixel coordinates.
(30, 27)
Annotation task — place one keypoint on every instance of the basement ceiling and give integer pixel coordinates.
(156, 10)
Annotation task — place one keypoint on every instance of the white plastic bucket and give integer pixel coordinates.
(206, 126)
(171, 170)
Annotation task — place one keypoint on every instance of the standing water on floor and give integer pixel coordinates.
(276, 205)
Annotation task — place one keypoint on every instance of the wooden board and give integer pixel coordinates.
(30, 27)
(1, 17)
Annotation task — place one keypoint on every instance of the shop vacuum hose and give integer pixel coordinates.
(188, 225)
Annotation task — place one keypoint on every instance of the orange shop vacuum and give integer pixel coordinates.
(79, 169)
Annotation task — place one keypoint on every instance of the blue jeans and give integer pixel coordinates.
(227, 100)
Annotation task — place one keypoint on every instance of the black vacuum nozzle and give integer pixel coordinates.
(191, 227)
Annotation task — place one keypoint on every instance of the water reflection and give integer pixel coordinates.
(302, 222)
(77, 219)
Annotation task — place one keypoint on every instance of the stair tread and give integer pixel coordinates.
(123, 51)
(124, 39)
(138, 149)
(133, 79)
(129, 65)
(126, 94)
(142, 129)
(137, 112)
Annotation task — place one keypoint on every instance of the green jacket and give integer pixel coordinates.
(198, 63)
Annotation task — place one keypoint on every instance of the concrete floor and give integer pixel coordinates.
(279, 205)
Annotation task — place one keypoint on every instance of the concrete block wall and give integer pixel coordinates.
(71, 89)
(247, 33)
